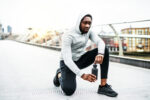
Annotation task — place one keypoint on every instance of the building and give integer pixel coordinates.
(110, 40)
(9, 29)
(137, 44)
(1, 28)
(112, 43)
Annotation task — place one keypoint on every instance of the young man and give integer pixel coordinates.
(74, 58)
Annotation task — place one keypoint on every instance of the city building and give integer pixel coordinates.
(136, 44)
(1, 28)
(9, 29)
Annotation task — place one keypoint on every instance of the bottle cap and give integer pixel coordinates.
(94, 65)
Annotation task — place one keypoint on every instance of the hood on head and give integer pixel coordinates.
(77, 27)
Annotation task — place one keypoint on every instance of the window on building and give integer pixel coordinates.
(139, 32)
(143, 32)
(133, 43)
(126, 31)
(146, 32)
(133, 31)
(139, 40)
(130, 31)
(143, 41)
(146, 43)
(130, 42)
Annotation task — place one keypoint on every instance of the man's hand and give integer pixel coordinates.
(99, 59)
(89, 77)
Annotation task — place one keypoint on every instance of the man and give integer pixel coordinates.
(74, 58)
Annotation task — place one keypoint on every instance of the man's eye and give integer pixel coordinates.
(84, 22)
(87, 23)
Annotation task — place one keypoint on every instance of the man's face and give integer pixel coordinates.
(85, 24)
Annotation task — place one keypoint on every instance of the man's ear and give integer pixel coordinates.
(80, 27)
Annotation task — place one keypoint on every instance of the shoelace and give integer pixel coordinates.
(108, 85)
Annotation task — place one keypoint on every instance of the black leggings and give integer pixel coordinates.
(68, 78)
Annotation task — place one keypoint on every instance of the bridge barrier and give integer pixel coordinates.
(125, 60)
(131, 61)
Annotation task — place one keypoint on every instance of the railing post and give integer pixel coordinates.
(120, 42)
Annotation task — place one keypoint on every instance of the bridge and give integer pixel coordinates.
(26, 73)
(126, 35)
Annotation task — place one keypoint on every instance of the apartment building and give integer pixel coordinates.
(137, 44)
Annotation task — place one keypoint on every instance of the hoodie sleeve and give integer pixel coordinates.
(67, 55)
(98, 41)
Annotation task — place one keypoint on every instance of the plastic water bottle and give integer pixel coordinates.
(95, 70)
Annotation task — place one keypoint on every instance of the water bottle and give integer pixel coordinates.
(95, 70)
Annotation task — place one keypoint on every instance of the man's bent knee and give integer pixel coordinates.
(68, 91)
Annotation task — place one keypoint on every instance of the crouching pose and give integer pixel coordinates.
(74, 58)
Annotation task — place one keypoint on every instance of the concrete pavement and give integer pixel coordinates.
(26, 73)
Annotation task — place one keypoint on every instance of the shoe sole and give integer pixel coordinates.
(107, 94)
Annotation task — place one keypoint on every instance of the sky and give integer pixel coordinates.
(61, 14)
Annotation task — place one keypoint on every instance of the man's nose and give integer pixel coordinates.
(87, 25)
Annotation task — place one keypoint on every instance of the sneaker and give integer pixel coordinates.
(107, 90)
(56, 80)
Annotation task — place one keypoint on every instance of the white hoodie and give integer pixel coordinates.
(74, 43)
